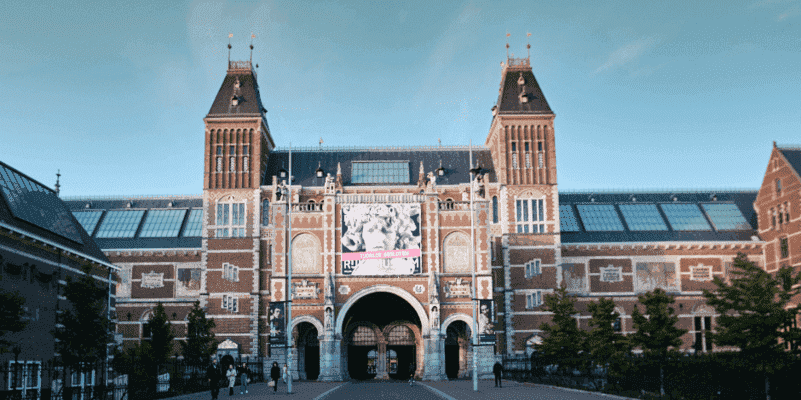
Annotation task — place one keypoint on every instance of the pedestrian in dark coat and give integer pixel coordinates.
(213, 375)
(244, 377)
(497, 369)
(275, 374)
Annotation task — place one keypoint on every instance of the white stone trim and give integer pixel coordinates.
(306, 318)
(421, 312)
(453, 318)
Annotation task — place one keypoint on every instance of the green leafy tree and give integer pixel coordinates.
(11, 314)
(200, 342)
(604, 345)
(83, 340)
(564, 341)
(755, 315)
(656, 331)
(161, 335)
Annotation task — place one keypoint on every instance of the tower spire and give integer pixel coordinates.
(528, 46)
(252, 36)
(58, 183)
(507, 44)
(230, 35)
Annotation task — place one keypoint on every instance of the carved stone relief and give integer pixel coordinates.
(457, 288)
(306, 254)
(456, 253)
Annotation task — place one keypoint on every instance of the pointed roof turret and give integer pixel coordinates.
(239, 93)
(519, 92)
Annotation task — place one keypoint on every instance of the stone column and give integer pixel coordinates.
(330, 359)
(381, 368)
(434, 368)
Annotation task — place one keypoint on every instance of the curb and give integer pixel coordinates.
(611, 396)
(437, 392)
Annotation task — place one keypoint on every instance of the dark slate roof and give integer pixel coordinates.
(509, 97)
(455, 161)
(87, 246)
(793, 156)
(744, 201)
(104, 204)
(248, 95)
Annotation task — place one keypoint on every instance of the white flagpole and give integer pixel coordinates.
(473, 283)
(288, 290)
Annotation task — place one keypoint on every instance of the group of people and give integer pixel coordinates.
(214, 375)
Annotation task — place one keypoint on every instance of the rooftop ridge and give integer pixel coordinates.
(788, 146)
(661, 191)
(379, 148)
(239, 67)
(132, 197)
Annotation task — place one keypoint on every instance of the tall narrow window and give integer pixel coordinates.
(530, 215)
(233, 226)
(494, 209)
(702, 326)
(245, 164)
(232, 165)
(778, 185)
(265, 212)
(514, 161)
(528, 161)
(219, 164)
(784, 247)
(773, 217)
(540, 162)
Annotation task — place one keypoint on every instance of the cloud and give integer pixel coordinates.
(627, 53)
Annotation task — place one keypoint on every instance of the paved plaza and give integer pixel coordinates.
(395, 390)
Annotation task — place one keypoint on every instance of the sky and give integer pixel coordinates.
(673, 95)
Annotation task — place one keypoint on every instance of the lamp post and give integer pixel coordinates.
(289, 283)
(473, 171)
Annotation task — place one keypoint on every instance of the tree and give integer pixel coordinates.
(200, 342)
(604, 344)
(11, 315)
(755, 315)
(161, 335)
(656, 331)
(83, 340)
(564, 341)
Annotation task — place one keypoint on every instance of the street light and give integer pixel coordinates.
(473, 172)
(285, 191)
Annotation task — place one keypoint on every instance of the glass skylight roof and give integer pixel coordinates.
(88, 219)
(194, 224)
(162, 223)
(120, 224)
(643, 217)
(726, 217)
(685, 217)
(380, 172)
(32, 202)
(567, 220)
(599, 217)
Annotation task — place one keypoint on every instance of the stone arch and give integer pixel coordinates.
(306, 250)
(306, 318)
(421, 312)
(453, 318)
(456, 252)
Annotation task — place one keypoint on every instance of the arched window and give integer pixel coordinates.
(372, 360)
(400, 336)
(363, 336)
(494, 209)
(392, 362)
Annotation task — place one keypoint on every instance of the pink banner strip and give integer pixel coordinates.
(372, 255)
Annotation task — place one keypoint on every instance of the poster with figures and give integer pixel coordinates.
(381, 239)
(486, 322)
(277, 323)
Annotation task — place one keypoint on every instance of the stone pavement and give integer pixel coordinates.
(463, 390)
(301, 390)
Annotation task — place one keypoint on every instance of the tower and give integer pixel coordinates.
(521, 141)
(238, 142)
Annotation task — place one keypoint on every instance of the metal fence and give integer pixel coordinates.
(33, 380)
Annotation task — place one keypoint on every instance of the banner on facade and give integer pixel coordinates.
(277, 323)
(381, 239)
(486, 322)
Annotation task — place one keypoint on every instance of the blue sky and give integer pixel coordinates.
(647, 95)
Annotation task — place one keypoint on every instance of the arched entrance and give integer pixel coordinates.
(308, 347)
(382, 335)
(457, 348)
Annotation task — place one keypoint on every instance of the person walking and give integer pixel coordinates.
(275, 373)
(231, 374)
(283, 374)
(244, 377)
(213, 375)
(497, 369)
(412, 370)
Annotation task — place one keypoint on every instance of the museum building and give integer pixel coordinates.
(387, 259)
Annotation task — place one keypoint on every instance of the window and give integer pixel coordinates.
(120, 224)
(533, 268)
(599, 217)
(162, 223)
(642, 217)
(534, 299)
(514, 146)
(530, 216)
(528, 160)
(785, 249)
(700, 273)
(494, 209)
(245, 164)
(380, 172)
(726, 216)
(685, 217)
(230, 272)
(265, 212)
(702, 326)
(539, 146)
(526, 144)
(245, 149)
(787, 211)
(540, 163)
(773, 217)
(194, 224)
(611, 274)
(219, 164)
(514, 161)
(232, 164)
(778, 185)
(567, 220)
(230, 303)
(233, 226)
(88, 219)
(231, 150)
(617, 326)
(219, 150)
(24, 375)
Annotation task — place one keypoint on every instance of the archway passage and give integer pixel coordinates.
(457, 340)
(382, 338)
(308, 351)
